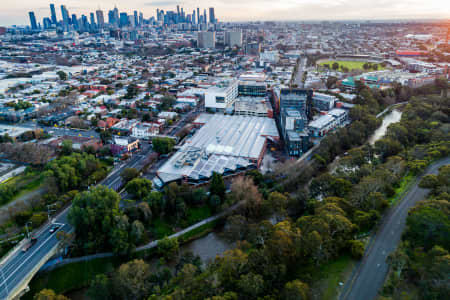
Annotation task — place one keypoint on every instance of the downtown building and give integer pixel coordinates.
(206, 39)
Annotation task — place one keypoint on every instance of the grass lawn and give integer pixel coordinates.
(197, 214)
(402, 188)
(70, 277)
(161, 229)
(351, 65)
(25, 183)
(325, 279)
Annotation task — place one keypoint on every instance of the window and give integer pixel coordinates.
(220, 99)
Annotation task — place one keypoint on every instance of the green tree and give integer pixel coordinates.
(429, 181)
(66, 148)
(93, 214)
(62, 75)
(168, 247)
(132, 280)
(47, 294)
(139, 187)
(296, 290)
(217, 186)
(129, 174)
(335, 66)
(100, 288)
(163, 145)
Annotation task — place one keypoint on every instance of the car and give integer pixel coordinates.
(54, 228)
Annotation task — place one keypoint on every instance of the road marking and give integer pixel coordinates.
(30, 256)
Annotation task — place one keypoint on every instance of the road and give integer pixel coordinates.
(369, 275)
(19, 265)
(301, 69)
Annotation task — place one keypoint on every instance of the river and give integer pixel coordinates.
(393, 117)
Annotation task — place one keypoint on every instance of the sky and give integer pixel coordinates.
(15, 12)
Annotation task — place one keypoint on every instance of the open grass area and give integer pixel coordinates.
(161, 228)
(351, 65)
(22, 184)
(326, 278)
(405, 184)
(70, 277)
(197, 214)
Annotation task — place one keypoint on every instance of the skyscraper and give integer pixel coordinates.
(205, 20)
(100, 18)
(212, 16)
(123, 19)
(75, 22)
(53, 14)
(33, 20)
(136, 18)
(92, 19)
(198, 15)
(65, 15)
(47, 23)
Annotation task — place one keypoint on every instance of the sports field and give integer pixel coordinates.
(351, 65)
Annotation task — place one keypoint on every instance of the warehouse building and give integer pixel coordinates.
(224, 144)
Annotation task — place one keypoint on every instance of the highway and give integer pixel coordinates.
(368, 277)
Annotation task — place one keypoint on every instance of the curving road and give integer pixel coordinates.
(368, 277)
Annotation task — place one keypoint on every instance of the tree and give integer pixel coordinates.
(168, 247)
(47, 294)
(129, 174)
(217, 186)
(296, 290)
(132, 280)
(335, 66)
(356, 249)
(276, 203)
(93, 214)
(331, 82)
(62, 75)
(163, 145)
(429, 181)
(67, 147)
(251, 284)
(105, 136)
(139, 187)
(100, 288)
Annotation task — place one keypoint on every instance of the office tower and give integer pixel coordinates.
(111, 17)
(116, 15)
(85, 23)
(206, 39)
(92, 19)
(123, 19)
(33, 21)
(100, 18)
(212, 16)
(233, 38)
(141, 19)
(47, 23)
(131, 21)
(178, 10)
(193, 17)
(136, 18)
(53, 14)
(75, 24)
(198, 15)
(65, 15)
(205, 20)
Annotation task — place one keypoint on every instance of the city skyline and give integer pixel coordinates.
(289, 10)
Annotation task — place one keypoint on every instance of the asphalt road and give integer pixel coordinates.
(20, 264)
(369, 275)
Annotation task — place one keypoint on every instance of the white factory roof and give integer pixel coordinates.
(224, 143)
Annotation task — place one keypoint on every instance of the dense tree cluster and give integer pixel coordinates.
(163, 145)
(74, 171)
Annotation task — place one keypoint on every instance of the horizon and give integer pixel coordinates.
(251, 11)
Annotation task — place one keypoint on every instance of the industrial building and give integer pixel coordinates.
(224, 144)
